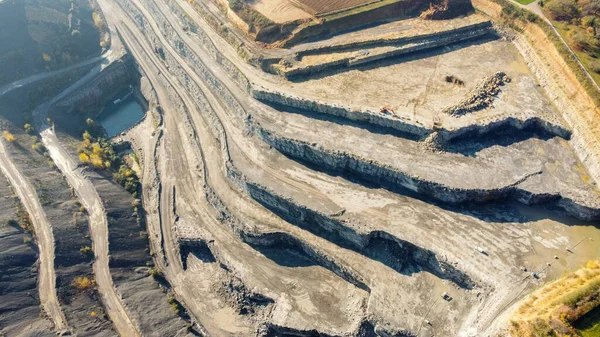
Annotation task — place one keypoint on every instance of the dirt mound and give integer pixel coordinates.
(480, 98)
(447, 9)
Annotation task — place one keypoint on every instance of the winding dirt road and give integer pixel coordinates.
(90, 199)
(44, 235)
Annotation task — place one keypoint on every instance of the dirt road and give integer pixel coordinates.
(44, 235)
(89, 198)
(38, 77)
(535, 8)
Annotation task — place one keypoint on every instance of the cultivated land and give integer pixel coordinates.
(324, 7)
(280, 11)
(412, 178)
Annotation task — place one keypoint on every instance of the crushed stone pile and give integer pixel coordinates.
(480, 98)
(433, 143)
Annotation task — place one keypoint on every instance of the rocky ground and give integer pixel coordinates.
(20, 312)
(82, 307)
(301, 208)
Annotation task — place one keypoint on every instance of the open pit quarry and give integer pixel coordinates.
(412, 177)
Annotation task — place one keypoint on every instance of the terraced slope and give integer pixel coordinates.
(343, 202)
(261, 196)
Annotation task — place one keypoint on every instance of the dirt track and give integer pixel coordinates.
(90, 199)
(255, 241)
(246, 154)
(45, 239)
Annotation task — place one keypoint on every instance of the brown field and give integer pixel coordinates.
(319, 7)
(280, 11)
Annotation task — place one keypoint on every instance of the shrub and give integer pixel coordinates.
(236, 5)
(155, 273)
(84, 158)
(563, 10)
(592, 8)
(29, 129)
(588, 21)
(83, 283)
(87, 251)
(175, 305)
(9, 137)
(580, 39)
(98, 21)
(39, 147)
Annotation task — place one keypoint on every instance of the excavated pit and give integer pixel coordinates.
(468, 138)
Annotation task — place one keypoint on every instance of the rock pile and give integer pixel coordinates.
(433, 143)
(447, 9)
(480, 98)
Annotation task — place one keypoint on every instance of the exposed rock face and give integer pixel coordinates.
(447, 9)
(108, 83)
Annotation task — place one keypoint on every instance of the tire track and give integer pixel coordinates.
(45, 239)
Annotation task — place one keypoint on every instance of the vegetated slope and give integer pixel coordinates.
(20, 312)
(579, 23)
(80, 304)
(552, 309)
(41, 35)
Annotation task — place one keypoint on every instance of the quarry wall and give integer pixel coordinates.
(109, 82)
(340, 161)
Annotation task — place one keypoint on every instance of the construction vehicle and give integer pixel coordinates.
(386, 110)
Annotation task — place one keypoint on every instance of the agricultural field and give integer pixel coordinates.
(320, 7)
(280, 11)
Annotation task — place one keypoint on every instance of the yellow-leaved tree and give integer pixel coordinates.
(9, 137)
(84, 158)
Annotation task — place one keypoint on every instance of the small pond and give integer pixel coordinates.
(119, 117)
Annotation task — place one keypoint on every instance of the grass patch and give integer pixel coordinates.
(525, 2)
(585, 58)
(564, 307)
(251, 16)
(514, 17)
(589, 324)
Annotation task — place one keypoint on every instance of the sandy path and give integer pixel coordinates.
(44, 235)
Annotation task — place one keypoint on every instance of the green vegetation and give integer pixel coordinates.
(578, 22)
(589, 325)
(525, 2)
(561, 307)
(249, 15)
(99, 153)
(38, 146)
(37, 35)
(175, 305)
(29, 129)
(155, 273)
(86, 251)
(24, 221)
(511, 14)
